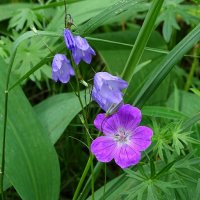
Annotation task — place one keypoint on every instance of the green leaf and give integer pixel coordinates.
(142, 39)
(197, 192)
(110, 12)
(190, 122)
(23, 37)
(166, 65)
(163, 112)
(120, 43)
(56, 112)
(24, 18)
(195, 91)
(8, 10)
(31, 161)
(187, 103)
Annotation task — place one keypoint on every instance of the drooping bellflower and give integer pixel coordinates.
(123, 138)
(79, 46)
(107, 90)
(61, 68)
(69, 39)
(82, 50)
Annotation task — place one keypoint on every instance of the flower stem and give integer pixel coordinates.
(89, 163)
(193, 68)
(85, 123)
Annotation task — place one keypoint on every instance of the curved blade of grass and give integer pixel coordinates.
(163, 112)
(190, 122)
(53, 5)
(165, 66)
(98, 20)
(161, 51)
(142, 40)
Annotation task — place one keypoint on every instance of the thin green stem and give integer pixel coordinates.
(87, 167)
(2, 168)
(85, 123)
(195, 64)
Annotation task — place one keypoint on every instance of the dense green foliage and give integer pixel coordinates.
(154, 45)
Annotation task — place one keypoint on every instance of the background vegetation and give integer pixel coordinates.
(154, 45)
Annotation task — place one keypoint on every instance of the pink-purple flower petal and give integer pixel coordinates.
(130, 117)
(106, 124)
(103, 148)
(141, 139)
(125, 156)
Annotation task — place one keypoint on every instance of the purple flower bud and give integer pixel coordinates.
(107, 90)
(82, 50)
(61, 68)
(69, 39)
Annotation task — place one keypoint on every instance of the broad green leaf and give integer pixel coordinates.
(56, 113)
(166, 65)
(31, 161)
(187, 103)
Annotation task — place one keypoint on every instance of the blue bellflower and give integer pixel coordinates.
(79, 46)
(61, 68)
(82, 50)
(69, 39)
(107, 90)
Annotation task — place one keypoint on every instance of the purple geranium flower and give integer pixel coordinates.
(82, 50)
(61, 68)
(123, 139)
(107, 90)
(69, 39)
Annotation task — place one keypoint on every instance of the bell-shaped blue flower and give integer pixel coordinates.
(69, 39)
(82, 50)
(107, 90)
(61, 68)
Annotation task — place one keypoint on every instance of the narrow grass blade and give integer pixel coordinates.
(142, 40)
(166, 65)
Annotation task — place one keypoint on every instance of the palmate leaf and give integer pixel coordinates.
(33, 51)
(8, 10)
(24, 18)
(171, 10)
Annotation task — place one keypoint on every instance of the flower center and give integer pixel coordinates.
(122, 136)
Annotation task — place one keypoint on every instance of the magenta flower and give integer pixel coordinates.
(107, 90)
(61, 68)
(69, 39)
(123, 139)
(82, 50)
